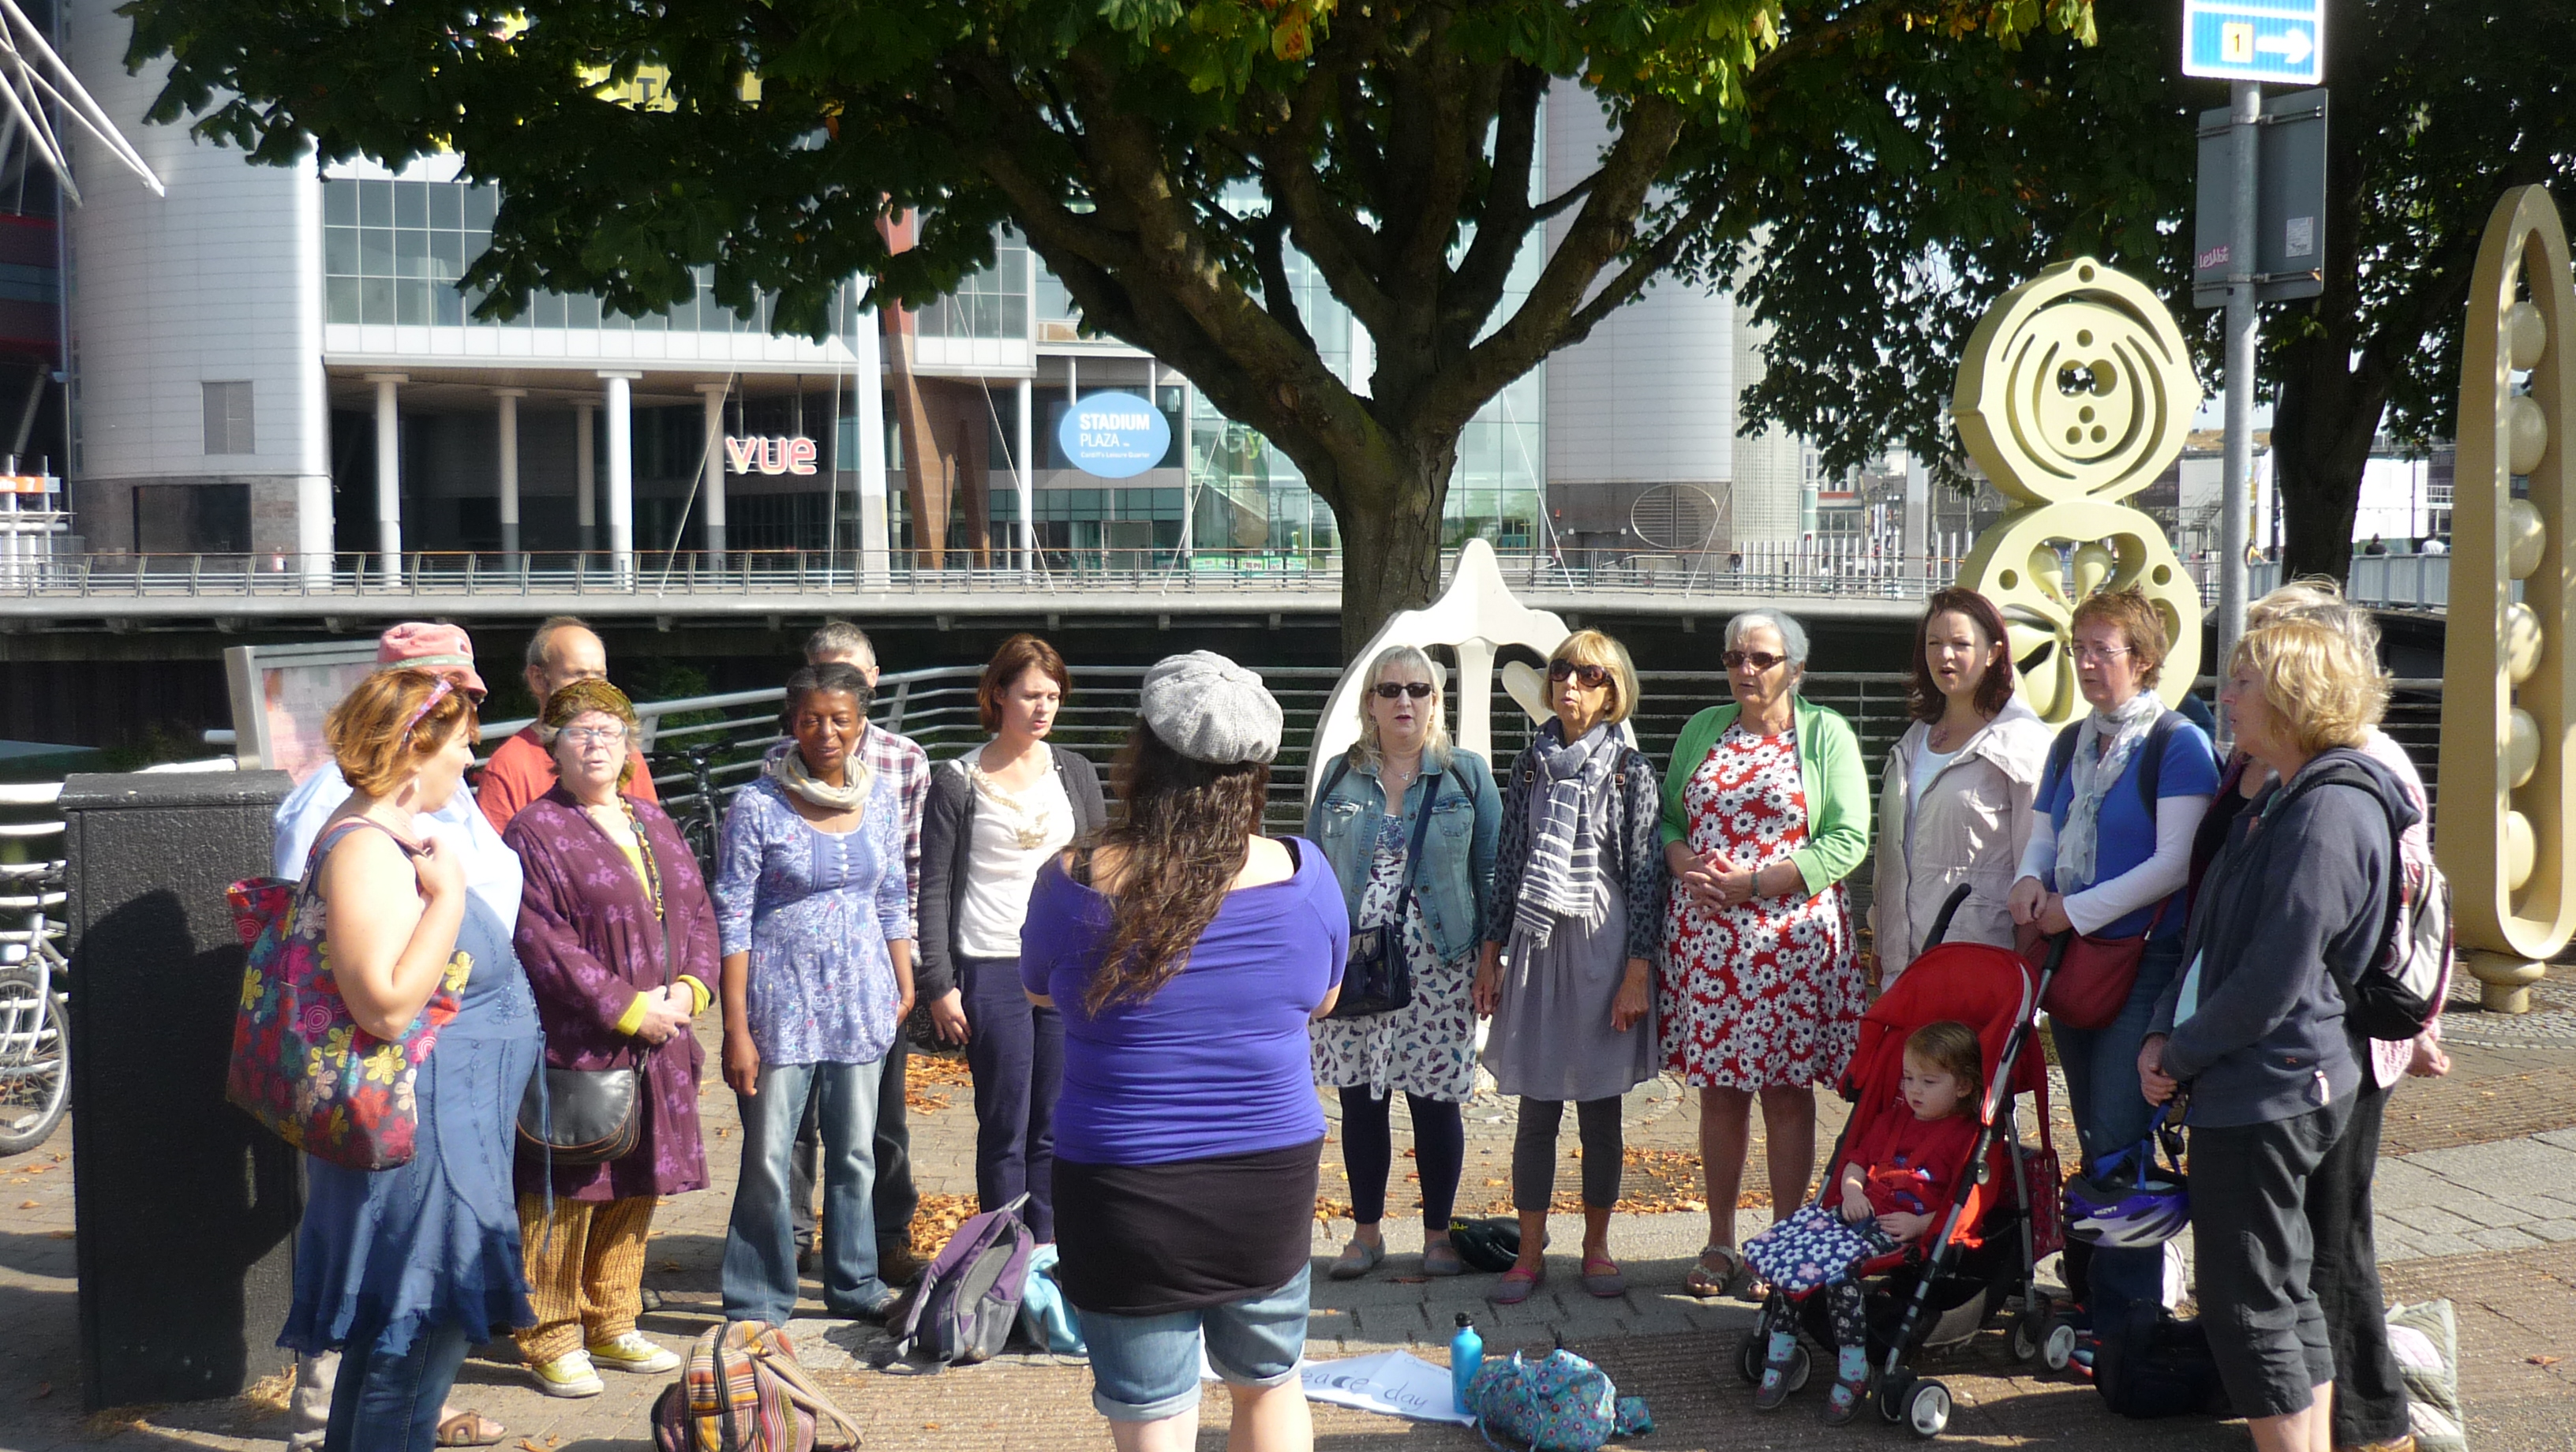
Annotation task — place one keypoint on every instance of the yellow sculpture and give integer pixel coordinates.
(2075, 394)
(2503, 835)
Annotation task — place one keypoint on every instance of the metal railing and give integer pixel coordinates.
(2390, 581)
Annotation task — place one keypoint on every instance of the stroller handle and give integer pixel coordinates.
(1941, 921)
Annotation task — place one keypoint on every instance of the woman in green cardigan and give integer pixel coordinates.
(1766, 810)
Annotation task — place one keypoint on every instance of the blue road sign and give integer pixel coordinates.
(2281, 41)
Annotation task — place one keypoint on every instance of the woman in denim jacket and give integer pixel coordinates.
(1428, 1047)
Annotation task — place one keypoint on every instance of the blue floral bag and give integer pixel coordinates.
(1560, 1403)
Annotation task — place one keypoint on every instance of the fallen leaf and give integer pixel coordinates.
(44, 1389)
(2542, 1360)
(61, 1234)
(30, 1204)
(930, 1426)
(527, 1446)
(670, 1265)
(1411, 1280)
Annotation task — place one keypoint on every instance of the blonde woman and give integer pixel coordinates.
(1571, 934)
(1365, 819)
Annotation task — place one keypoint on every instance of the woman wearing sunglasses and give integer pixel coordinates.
(1765, 812)
(1366, 819)
(1571, 933)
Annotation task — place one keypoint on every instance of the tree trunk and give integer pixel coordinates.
(1390, 538)
(2323, 423)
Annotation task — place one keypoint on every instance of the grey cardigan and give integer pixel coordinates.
(2297, 899)
(948, 835)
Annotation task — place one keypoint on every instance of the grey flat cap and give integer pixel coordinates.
(1209, 709)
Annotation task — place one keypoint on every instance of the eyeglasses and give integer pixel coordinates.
(1760, 660)
(590, 735)
(2100, 655)
(1389, 690)
(1592, 677)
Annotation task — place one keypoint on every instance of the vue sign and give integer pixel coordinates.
(772, 455)
(1114, 435)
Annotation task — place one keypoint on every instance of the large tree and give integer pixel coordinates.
(1161, 156)
(2436, 109)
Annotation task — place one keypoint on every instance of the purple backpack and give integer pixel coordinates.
(969, 1298)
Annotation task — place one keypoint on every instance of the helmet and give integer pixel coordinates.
(2131, 1201)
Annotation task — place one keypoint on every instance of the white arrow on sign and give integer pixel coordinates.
(2292, 45)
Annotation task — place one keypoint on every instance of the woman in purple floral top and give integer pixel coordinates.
(619, 941)
(816, 923)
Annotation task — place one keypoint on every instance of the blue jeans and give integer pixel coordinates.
(1146, 1368)
(386, 1403)
(760, 1244)
(2112, 1113)
(1016, 1054)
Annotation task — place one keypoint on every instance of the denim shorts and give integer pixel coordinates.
(1146, 1368)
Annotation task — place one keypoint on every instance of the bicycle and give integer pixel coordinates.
(35, 1040)
(702, 827)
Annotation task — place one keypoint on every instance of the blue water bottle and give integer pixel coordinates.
(1466, 1353)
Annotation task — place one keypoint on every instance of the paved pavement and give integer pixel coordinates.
(2478, 1202)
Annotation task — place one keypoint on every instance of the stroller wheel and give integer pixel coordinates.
(1927, 1409)
(1748, 1356)
(2026, 1336)
(2057, 1346)
(1893, 1389)
(1800, 1364)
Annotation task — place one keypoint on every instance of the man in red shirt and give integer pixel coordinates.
(563, 651)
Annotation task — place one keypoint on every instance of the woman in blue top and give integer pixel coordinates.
(1402, 767)
(815, 923)
(406, 1269)
(1187, 953)
(2106, 862)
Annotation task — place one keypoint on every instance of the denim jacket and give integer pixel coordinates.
(1457, 869)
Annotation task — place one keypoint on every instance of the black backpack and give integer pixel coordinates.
(2157, 1366)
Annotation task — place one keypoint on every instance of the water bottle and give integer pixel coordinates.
(1466, 1353)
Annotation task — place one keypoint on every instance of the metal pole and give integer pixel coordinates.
(2235, 520)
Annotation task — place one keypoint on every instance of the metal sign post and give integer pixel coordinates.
(2246, 42)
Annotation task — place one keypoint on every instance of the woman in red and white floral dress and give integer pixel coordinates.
(1766, 811)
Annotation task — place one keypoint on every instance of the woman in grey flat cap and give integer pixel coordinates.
(1578, 906)
(1187, 954)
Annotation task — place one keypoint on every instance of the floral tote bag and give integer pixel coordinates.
(301, 1065)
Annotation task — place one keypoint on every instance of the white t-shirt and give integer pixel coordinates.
(1011, 837)
(1927, 765)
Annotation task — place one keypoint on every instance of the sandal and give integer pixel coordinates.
(470, 1429)
(1440, 1258)
(1601, 1277)
(1773, 1389)
(1728, 1278)
(1516, 1286)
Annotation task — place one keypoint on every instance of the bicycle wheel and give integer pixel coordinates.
(35, 1058)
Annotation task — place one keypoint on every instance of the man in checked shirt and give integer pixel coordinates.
(839, 642)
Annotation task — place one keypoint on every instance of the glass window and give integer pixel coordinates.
(446, 208)
(375, 204)
(411, 254)
(377, 294)
(550, 310)
(376, 252)
(446, 256)
(340, 203)
(449, 305)
(343, 293)
(340, 252)
(412, 295)
(411, 204)
(482, 205)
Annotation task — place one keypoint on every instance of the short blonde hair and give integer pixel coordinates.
(2139, 623)
(1591, 647)
(392, 722)
(2317, 679)
(1435, 731)
(2317, 598)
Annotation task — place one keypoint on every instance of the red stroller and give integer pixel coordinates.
(1983, 1257)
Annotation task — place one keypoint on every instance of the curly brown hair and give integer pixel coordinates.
(393, 721)
(1180, 833)
(1923, 699)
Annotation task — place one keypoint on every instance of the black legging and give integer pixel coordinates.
(1368, 1147)
(1596, 1123)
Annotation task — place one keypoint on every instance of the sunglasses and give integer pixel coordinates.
(1389, 690)
(1593, 677)
(1760, 660)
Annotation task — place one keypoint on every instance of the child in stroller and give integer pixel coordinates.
(1997, 1217)
(1894, 1186)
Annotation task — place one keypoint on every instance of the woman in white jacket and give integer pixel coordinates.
(1955, 804)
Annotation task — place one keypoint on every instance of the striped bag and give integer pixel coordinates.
(742, 1391)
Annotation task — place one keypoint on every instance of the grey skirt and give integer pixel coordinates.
(1551, 1037)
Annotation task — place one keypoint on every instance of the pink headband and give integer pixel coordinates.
(437, 693)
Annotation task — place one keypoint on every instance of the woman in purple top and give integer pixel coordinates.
(1187, 954)
(816, 923)
(619, 942)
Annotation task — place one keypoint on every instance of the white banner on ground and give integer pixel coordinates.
(1390, 1383)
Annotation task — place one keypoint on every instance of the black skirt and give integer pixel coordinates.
(1149, 1240)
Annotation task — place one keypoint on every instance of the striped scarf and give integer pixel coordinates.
(1563, 878)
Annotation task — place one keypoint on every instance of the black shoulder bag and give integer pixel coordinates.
(1377, 977)
(592, 1116)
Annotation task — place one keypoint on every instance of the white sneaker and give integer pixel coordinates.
(631, 1352)
(568, 1376)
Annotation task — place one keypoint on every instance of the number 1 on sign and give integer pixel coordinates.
(2236, 43)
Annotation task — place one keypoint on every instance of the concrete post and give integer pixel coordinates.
(621, 472)
(185, 1208)
(508, 399)
(713, 394)
(869, 383)
(1027, 480)
(388, 475)
(585, 474)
